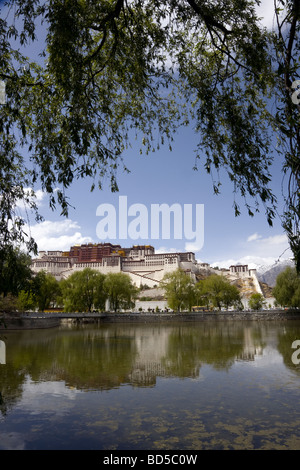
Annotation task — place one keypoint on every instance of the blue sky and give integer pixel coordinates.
(168, 177)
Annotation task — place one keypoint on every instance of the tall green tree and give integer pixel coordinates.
(179, 290)
(46, 290)
(218, 292)
(26, 300)
(120, 291)
(287, 288)
(15, 270)
(257, 301)
(83, 291)
(110, 69)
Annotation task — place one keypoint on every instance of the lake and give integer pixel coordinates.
(200, 385)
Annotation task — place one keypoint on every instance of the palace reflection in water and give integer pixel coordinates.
(107, 358)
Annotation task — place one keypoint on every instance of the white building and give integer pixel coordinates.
(141, 263)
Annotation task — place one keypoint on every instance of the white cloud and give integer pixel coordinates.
(265, 11)
(260, 251)
(252, 261)
(39, 194)
(253, 237)
(57, 235)
(272, 246)
(36, 196)
(194, 247)
(163, 249)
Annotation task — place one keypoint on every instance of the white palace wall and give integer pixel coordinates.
(143, 267)
(148, 269)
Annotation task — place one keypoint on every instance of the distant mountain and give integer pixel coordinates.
(268, 274)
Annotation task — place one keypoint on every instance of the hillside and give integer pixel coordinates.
(152, 294)
(245, 285)
(268, 275)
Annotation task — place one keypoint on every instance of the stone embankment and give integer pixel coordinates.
(51, 320)
(27, 323)
(201, 316)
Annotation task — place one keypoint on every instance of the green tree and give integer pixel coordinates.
(287, 288)
(8, 304)
(46, 290)
(232, 297)
(114, 68)
(120, 291)
(83, 291)
(26, 300)
(257, 301)
(179, 290)
(15, 271)
(190, 296)
(201, 295)
(219, 292)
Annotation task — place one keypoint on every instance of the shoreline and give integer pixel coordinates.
(47, 320)
(202, 316)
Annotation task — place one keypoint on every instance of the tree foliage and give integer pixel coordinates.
(26, 300)
(15, 270)
(110, 69)
(46, 290)
(287, 288)
(215, 291)
(179, 290)
(218, 292)
(257, 301)
(120, 290)
(83, 291)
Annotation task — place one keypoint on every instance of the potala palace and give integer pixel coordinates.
(142, 264)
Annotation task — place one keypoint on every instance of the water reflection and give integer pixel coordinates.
(195, 376)
(104, 357)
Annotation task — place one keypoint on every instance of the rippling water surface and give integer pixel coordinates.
(210, 385)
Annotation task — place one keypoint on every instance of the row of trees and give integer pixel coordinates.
(21, 289)
(287, 288)
(83, 291)
(215, 291)
(88, 289)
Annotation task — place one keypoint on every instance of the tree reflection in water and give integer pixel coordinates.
(167, 360)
